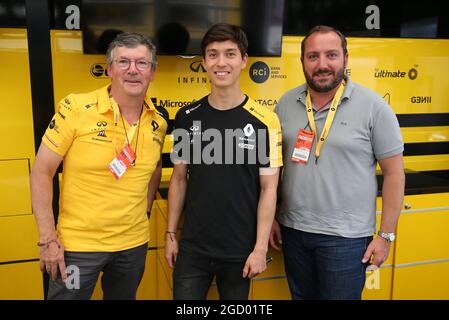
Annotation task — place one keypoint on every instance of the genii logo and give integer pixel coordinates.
(259, 72)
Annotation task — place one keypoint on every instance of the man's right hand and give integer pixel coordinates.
(51, 258)
(171, 249)
(275, 236)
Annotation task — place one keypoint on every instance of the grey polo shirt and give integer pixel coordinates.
(336, 195)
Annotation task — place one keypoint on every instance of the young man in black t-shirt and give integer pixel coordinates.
(226, 159)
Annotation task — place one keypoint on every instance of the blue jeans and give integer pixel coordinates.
(320, 266)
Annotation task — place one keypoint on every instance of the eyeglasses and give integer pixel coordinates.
(141, 64)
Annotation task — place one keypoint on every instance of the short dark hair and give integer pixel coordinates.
(222, 32)
(325, 29)
(131, 40)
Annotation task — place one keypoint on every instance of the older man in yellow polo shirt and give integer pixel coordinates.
(110, 141)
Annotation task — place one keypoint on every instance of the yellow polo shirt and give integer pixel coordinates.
(98, 212)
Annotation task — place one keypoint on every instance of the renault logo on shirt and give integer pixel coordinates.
(248, 130)
(155, 125)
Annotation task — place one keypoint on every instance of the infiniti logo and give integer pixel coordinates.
(196, 66)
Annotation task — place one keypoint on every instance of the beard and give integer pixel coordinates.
(316, 86)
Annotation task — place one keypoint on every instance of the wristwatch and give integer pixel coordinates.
(389, 236)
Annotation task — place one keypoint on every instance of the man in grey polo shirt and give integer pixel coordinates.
(334, 133)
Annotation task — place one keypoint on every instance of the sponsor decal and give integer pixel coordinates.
(196, 74)
(102, 133)
(101, 126)
(246, 146)
(260, 72)
(53, 125)
(193, 80)
(167, 103)
(193, 109)
(155, 125)
(195, 128)
(102, 140)
(248, 130)
(423, 99)
(61, 115)
(267, 102)
(87, 106)
(197, 66)
(256, 112)
(66, 104)
(174, 104)
(389, 74)
(412, 74)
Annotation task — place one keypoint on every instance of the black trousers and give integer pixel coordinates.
(193, 275)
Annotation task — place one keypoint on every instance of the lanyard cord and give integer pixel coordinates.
(126, 134)
(329, 118)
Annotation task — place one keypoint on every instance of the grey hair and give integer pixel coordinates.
(131, 40)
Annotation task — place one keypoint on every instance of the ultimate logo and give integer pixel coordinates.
(412, 73)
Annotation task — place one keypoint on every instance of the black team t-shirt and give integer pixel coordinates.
(224, 150)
